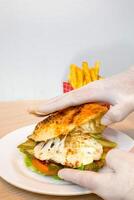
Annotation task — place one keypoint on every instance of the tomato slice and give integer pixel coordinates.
(47, 169)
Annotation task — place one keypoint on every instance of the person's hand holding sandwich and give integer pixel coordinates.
(118, 91)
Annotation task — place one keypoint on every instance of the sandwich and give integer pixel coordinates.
(70, 138)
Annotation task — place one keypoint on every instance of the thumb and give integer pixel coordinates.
(88, 179)
(116, 113)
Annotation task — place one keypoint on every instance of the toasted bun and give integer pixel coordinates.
(86, 117)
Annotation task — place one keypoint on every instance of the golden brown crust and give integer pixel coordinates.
(64, 121)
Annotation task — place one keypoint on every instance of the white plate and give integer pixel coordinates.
(13, 170)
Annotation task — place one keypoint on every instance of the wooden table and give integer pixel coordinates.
(14, 115)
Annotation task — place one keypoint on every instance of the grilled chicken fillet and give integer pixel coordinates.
(72, 150)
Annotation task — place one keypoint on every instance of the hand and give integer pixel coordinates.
(117, 90)
(116, 185)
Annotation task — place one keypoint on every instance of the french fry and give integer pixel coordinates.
(84, 82)
(93, 74)
(97, 68)
(72, 76)
(79, 77)
(87, 77)
(100, 78)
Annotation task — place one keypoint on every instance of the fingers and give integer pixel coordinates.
(112, 159)
(43, 108)
(88, 179)
(132, 150)
(117, 159)
(88, 93)
(52, 105)
(116, 113)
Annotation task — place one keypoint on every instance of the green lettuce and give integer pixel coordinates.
(27, 147)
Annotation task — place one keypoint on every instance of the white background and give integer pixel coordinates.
(39, 39)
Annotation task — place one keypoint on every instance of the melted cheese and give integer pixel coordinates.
(74, 154)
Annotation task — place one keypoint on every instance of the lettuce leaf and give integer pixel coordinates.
(81, 167)
(104, 142)
(28, 163)
(27, 147)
